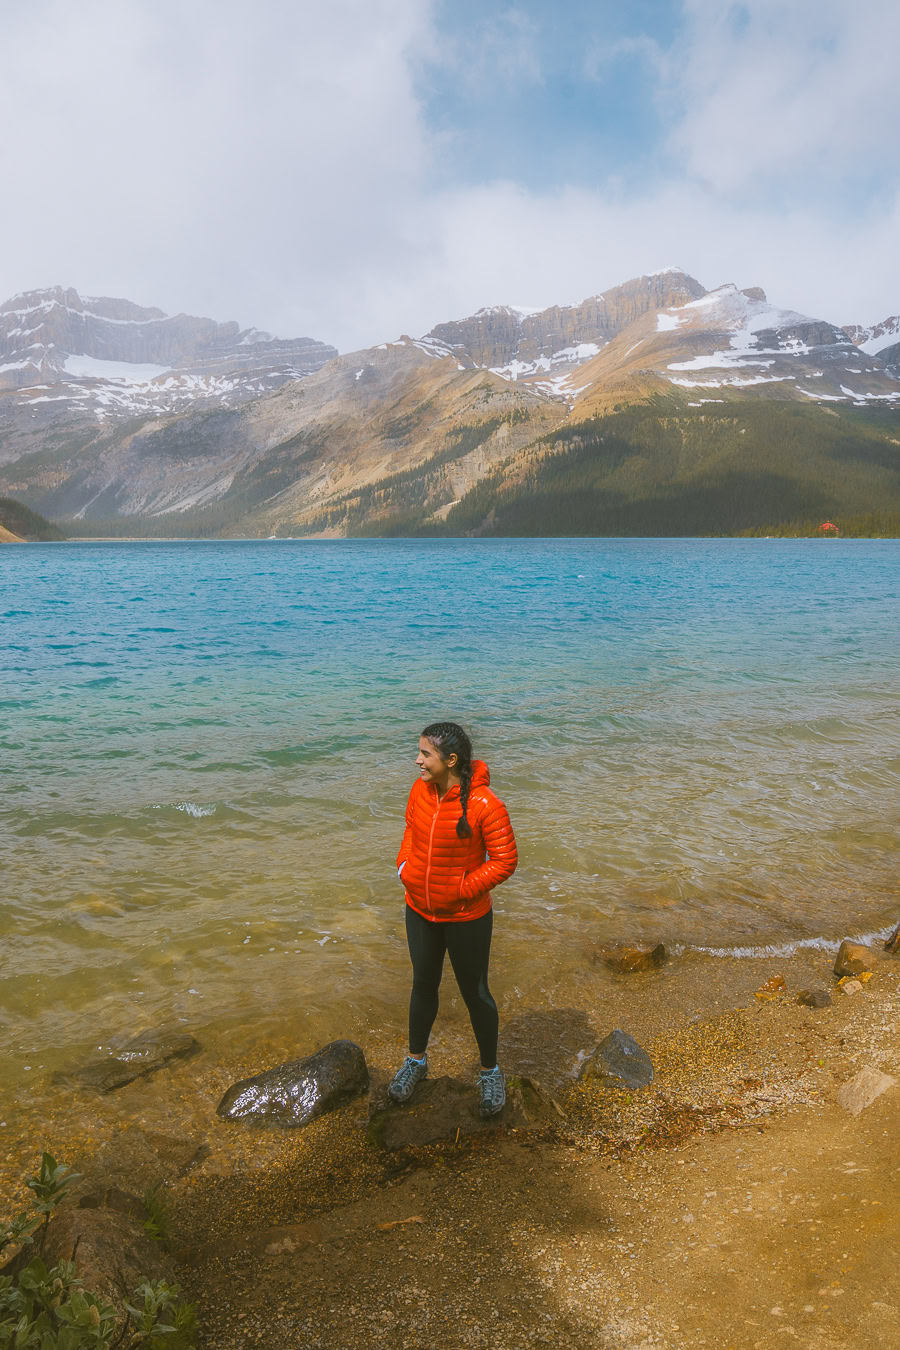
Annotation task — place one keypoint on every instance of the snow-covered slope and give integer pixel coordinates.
(731, 342)
(96, 359)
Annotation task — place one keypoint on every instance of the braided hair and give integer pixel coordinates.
(448, 738)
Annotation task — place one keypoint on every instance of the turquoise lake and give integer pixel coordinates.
(207, 746)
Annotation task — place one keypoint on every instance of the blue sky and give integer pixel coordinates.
(364, 168)
(549, 95)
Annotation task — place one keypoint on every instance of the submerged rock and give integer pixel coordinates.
(815, 998)
(292, 1094)
(627, 957)
(441, 1107)
(853, 958)
(138, 1058)
(619, 1061)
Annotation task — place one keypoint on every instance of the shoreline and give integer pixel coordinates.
(754, 1070)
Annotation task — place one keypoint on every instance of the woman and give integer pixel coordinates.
(458, 843)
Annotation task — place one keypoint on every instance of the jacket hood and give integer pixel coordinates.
(481, 774)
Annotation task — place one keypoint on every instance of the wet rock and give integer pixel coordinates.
(442, 1106)
(292, 1094)
(136, 1160)
(853, 958)
(627, 957)
(893, 942)
(110, 1249)
(618, 1061)
(143, 1055)
(815, 998)
(864, 1089)
(773, 987)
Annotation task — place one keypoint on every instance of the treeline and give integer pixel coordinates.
(664, 468)
(27, 524)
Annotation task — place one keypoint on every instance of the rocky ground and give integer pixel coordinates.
(734, 1203)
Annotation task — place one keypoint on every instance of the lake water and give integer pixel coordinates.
(207, 746)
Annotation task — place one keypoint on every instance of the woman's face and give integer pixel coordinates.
(432, 767)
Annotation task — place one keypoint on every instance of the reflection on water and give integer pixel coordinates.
(206, 750)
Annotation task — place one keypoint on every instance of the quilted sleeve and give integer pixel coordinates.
(403, 855)
(500, 843)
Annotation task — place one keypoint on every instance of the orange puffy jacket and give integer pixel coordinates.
(448, 878)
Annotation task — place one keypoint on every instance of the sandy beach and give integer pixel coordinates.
(734, 1203)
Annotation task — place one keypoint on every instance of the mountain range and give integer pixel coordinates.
(655, 407)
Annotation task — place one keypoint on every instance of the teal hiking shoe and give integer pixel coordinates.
(407, 1079)
(493, 1092)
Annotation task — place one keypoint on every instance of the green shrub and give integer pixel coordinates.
(45, 1308)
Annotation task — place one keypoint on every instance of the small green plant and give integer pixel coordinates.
(156, 1224)
(45, 1308)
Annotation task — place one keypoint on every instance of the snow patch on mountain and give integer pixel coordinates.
(128, 372)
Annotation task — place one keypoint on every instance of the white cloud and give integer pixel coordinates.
(273, 164)
(772, 92)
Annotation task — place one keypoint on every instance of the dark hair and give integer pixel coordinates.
(448, 739)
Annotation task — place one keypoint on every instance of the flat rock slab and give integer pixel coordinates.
(864, 1089)
(293, 1094)
(442, 1106)
(137, 1160)
(620, 1062)
(138, 1058)
(853, 958)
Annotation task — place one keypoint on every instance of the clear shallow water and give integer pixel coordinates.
(206, 750)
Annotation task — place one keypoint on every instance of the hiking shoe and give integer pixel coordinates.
(407, 1078)
(493, 1092)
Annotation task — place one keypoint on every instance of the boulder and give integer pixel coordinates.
(853, 958)
(138, 1058)
(815, 998)
(627, 957)
(619, 1062)
(441, 1107)
(110, 1249)
(294, 1093)
(864, 1089)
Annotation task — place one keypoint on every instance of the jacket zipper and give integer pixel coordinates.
(430, 841)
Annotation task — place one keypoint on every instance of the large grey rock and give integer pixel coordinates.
(137, 1058)
(441, 1107)
(619, 1061)
(292, 1094)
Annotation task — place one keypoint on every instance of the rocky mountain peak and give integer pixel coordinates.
(534, 344)
(72, 356)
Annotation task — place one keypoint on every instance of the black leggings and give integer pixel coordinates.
(469, 945)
